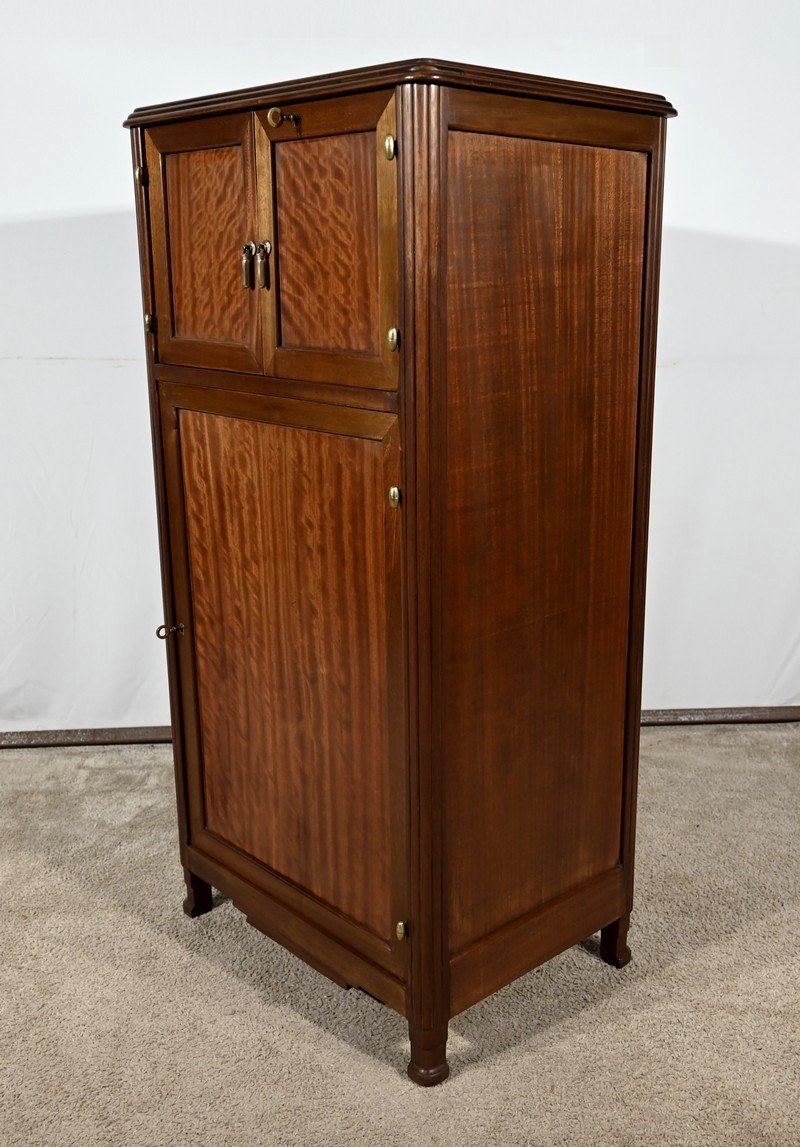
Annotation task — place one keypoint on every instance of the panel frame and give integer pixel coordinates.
(369, 112)
(219, 132)
(330, 393)
(490, 962)
(207, 851)
(423, 431)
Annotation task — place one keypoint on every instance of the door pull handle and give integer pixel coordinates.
(262, 254)
(248, 252)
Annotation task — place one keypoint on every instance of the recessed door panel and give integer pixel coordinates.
(291, 563)
(203, 209)
(326, 196)
(328, 193)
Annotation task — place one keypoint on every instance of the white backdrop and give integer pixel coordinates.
(79, 586)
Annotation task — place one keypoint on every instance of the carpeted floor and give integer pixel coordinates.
(123, 1022)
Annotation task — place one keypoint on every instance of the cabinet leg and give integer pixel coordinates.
(614, 943)
(428, 1064)
(198, 895)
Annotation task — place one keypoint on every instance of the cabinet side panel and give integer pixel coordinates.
(543, 274)
(288, 556)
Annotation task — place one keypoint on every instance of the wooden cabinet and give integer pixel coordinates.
(402, 458)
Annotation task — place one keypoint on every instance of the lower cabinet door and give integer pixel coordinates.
(286, 568)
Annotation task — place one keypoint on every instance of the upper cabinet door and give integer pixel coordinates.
(203, 213)
(328, 200)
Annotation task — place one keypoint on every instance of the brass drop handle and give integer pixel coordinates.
(262, 254)
(248, 253)
(275, 117)
(163, 631)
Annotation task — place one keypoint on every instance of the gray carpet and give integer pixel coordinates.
(123, 1022)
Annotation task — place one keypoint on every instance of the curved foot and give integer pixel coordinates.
(614, 948)
(198, 895)
(428, 1076)
(428, 1064)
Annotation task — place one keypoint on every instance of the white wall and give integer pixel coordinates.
(79, 590)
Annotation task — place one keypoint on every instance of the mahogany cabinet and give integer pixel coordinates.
(401, 333)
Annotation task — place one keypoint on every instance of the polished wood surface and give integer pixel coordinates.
(561, 123)
(382, 963)
(429, 971)
(542, 349)
(204, 192)
(326, 392)
(287, 533)
(203, 198)
(530, 940)
(328, 204)
(327, 217)
(406, 740)
(421, 71)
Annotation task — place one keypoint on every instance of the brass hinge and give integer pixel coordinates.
(401, 930)
(394, 497)
(149, 323)
(140, 175)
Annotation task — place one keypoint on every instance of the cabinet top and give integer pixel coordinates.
(420, 71)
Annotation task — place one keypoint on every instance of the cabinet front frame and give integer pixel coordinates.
(220, 132)
(388, 956)
(369, 112)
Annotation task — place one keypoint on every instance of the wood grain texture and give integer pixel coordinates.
(287, 531)
(429, 992)
(528, 941)
(416, 71)
(203, 203)
(560, 122)
(543, 268)
(327, 216)
(207, 210)
(468, 767)
(328, 203)
(323, 392)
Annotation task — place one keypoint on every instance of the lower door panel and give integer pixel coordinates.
(286, 565)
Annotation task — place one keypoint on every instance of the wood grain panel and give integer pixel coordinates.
(327, 216)
(207, 209)
(292, 550)
(543, 273)
(202, 197)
